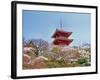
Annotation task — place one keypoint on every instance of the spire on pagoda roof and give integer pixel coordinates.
(61, 24)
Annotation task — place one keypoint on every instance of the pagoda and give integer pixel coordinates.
(61, 37)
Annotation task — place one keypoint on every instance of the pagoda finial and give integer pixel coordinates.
(61, 23)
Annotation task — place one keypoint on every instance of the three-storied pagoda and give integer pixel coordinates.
(61, 37)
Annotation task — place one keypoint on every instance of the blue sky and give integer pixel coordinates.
(42, 24)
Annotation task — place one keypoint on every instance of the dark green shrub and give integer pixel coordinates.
(82, 61)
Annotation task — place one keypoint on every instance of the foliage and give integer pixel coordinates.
(82, 61)
(70, 57)
(55, 63)
(39, 45)
(55, 50)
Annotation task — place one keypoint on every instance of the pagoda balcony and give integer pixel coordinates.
(62, 41)
(61, 38)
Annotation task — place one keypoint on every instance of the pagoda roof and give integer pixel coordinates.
(61, 33)
(62, 41)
